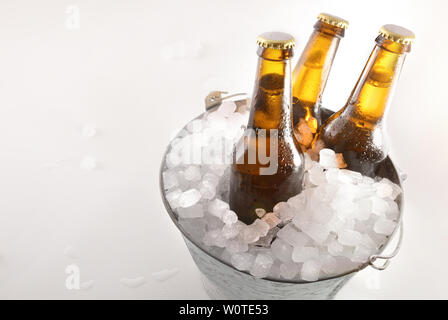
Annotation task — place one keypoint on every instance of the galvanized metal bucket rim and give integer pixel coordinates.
(185, 234)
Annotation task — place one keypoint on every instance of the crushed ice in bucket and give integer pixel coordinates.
(333, 226)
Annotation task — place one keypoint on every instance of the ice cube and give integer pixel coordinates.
(211, 178)
(267, 240)
(229, 217)
(393, 210)
(192, 173)
(230, 231)
(271, 219)
(250, 234)
(379, 206)
(292, 236)
(242, 261)
(302, 254)
(329, 264)
(384, 226)
(349, 237)
(189, 198)
(236, 245)
(213, 222)
(217, 208)
(261, 227)
(317, 175)
(384, 190)
(262, 265)
(207, 190)
(169, 179)
(332, 176)
(310, 270)
(281, 250)
(173, 198)
(289, 270)
(327, 159)
(214, 238)
(194, 211)
(227, 108)
(361, 254)
(364, 210)
(348, 176)
(316, 231)
(284, 211)
(335, 248)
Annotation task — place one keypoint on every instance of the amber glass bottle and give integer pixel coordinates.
(311, 73)
(268, 164)
(357, 130)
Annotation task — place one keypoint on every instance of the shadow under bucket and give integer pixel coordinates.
(223, 281)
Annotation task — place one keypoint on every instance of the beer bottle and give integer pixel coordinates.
(357, 130)
(256, 182)
(311, 73)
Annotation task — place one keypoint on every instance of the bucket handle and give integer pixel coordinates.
(215, 98)
(387, 257)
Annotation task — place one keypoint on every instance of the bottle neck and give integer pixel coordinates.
(271, 100)
(311, 72)
(375, 87)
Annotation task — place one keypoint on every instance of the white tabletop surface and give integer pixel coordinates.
(136, 71)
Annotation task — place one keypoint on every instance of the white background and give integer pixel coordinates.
(139, 70)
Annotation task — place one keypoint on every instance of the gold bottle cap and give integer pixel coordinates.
(333, 20)
(397, 34)
(276, 40)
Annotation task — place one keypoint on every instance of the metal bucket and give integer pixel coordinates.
(222, 281)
